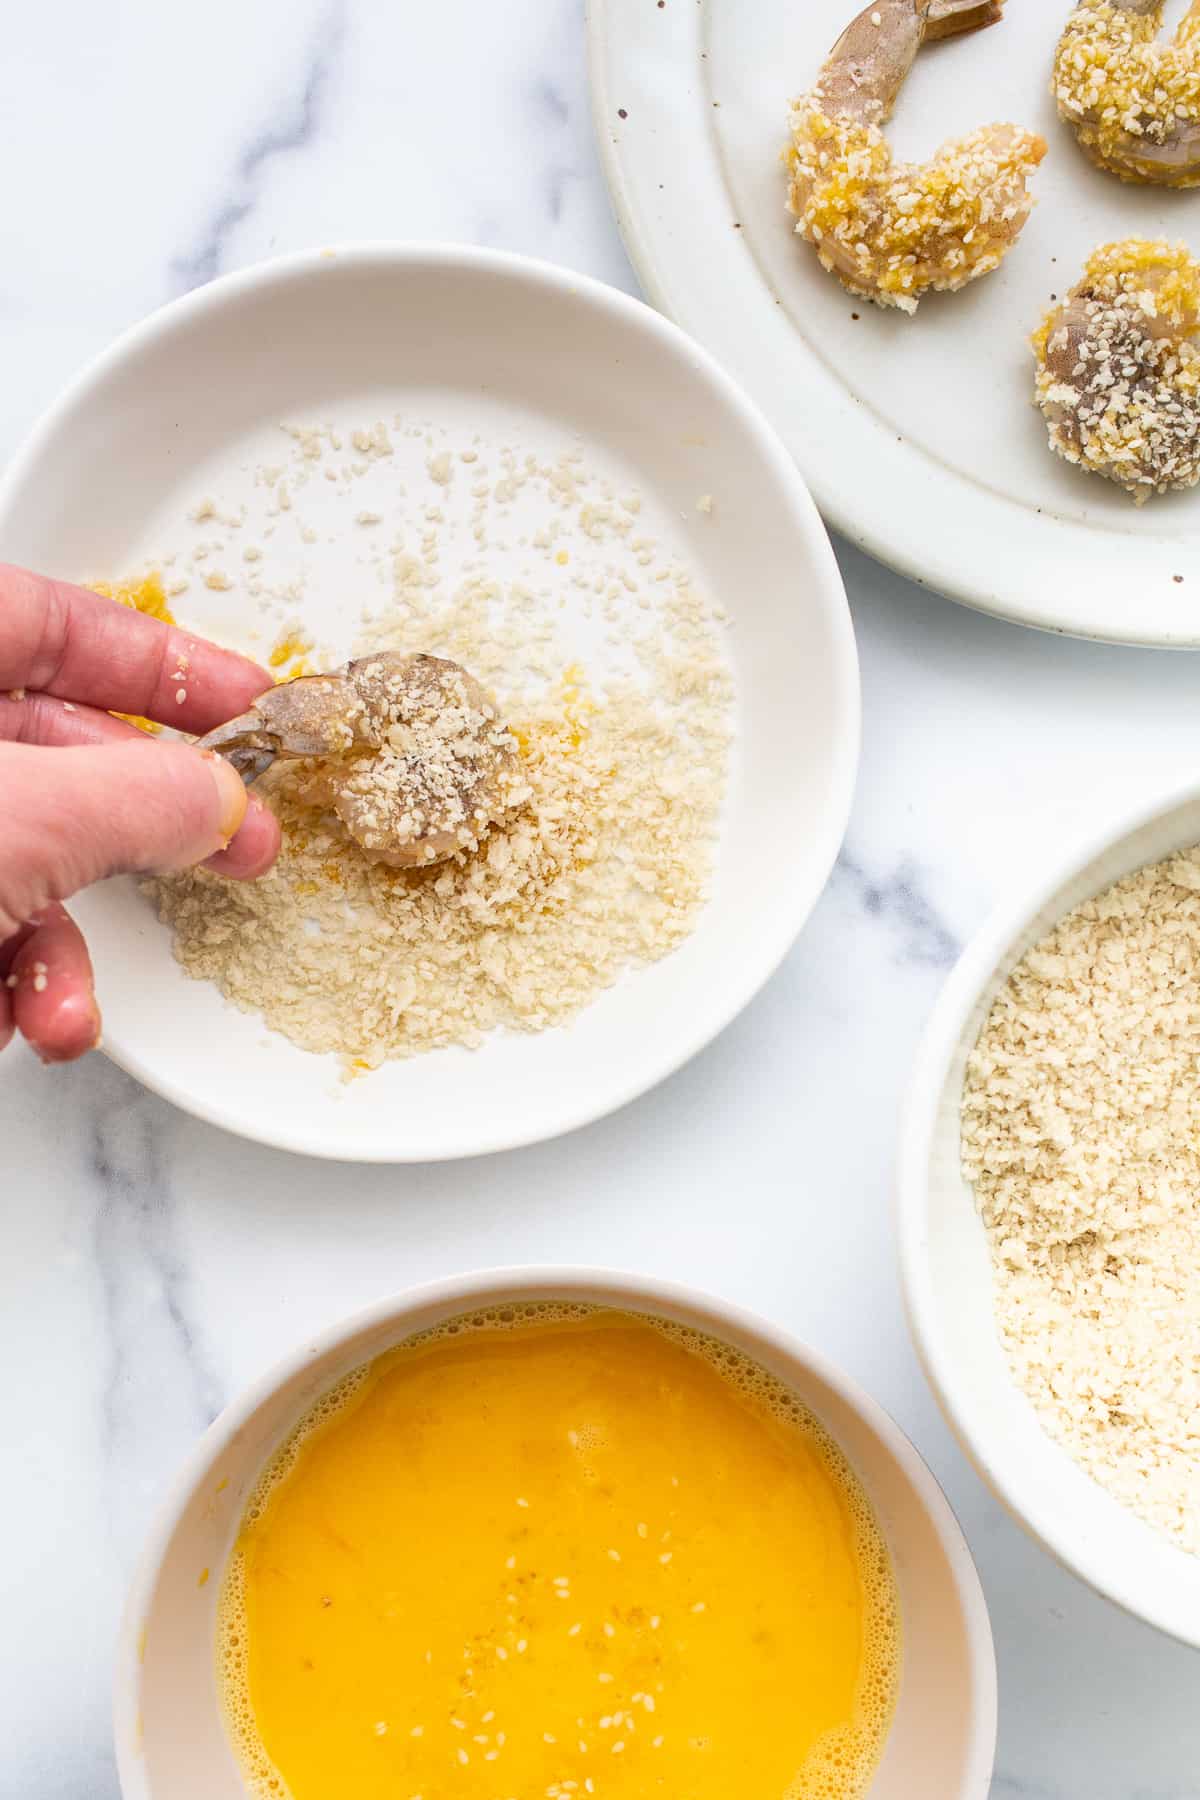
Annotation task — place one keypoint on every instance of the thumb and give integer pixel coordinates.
(69, 817)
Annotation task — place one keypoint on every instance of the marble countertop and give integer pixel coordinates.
(152, 1266)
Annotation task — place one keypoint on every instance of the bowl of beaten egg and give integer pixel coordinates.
(1047, 1216)
(464, 454)
(554, 1532)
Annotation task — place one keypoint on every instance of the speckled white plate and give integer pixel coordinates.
(917, 436)
(188, 408)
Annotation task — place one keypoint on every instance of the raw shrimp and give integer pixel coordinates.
(408, 750)
(1118, 377)
(1133, 101)
(890, 230)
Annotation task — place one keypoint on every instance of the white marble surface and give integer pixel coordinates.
(152, 1266)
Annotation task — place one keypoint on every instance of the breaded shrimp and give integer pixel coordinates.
(1118, 377)
(408, 750)
(890, 230)
(1134, 102)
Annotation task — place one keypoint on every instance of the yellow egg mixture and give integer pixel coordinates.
(559, 1552)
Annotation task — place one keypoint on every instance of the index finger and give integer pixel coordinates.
(68, 642)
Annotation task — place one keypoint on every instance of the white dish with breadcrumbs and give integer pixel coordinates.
(450, 454)
(1049, 1219)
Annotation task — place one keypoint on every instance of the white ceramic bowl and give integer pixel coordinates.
(187, 404)
(946, 1268)
(169, 1735)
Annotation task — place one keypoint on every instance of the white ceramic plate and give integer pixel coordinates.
(169, 1736)
(917, 436)
(946, 1266)
(188, 408)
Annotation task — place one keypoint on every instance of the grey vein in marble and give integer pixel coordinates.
(158, 1377)
(925, 938)
(556, 117)
(294, 129)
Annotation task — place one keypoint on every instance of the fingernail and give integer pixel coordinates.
(70, 1032)
(232, 790)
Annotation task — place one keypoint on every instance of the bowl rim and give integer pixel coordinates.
(979, 963)
(823, 586)
(605, 1287)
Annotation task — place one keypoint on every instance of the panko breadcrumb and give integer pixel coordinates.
(442, 770)
(1081, 1136)
(1133, 100)
(604, 866)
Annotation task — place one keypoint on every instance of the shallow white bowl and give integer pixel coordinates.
(946, 1268)
(169, 1735)
(188, 403)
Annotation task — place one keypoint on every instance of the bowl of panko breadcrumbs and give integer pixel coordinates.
(445, 453)
(1049, 1210)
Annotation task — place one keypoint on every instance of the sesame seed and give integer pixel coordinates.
(1118, 378)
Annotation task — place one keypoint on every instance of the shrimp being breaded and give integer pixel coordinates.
(1118, 377)
(1133, 100)
(889, 230)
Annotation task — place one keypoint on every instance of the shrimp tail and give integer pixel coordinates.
(868, 65)
(949, 18)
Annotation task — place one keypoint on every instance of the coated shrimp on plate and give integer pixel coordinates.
(893, 230)
(1118, 377)
(1132, 97)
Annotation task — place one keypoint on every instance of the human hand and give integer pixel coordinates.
(84, 795)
